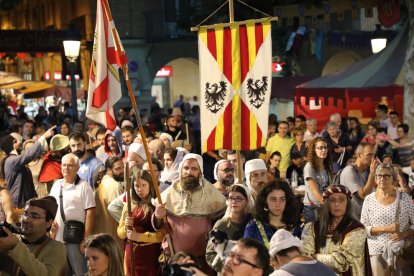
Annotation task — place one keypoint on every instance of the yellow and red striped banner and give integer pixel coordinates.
(235, 82)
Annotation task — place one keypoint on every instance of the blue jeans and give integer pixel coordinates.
(76, 260)
(310, 213)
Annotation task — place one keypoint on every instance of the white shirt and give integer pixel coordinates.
(308, 136)
(375, 214)
(76, 200)
(392, 131)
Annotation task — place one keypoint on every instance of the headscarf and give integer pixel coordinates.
(251, 166)
(172, 174)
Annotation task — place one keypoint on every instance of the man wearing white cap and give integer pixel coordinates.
(256, 175)
(167, 139)
(224, 174)
(136, 155)
(191, 203)
(285, 250)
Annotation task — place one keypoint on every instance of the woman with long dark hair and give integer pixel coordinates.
(338, 240)
(276, 207)
(317, 174)
(138, 228)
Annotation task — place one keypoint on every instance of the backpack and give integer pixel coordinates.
(337, 177)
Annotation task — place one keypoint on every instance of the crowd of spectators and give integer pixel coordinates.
(338, 202)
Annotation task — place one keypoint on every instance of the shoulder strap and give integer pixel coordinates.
(397, 212)
(41, 247)
(262, 233)
(62, 213)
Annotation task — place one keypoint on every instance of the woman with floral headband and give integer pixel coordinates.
(338, 240)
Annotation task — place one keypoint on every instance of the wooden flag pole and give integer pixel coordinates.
(129, 206)
(239, 164)
(239, 167)
(231, 11)
(187, 134)
(141, 131)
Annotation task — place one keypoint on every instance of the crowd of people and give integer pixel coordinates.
(338, 202)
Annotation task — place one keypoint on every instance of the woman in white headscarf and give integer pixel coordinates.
(238, 213)
(172, 159)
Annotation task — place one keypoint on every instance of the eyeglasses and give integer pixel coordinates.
(236, 199)
(32, 216)
(384, 176)
(227, 170)
(321, 148)
(238, 261)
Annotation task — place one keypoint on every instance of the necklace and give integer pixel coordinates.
(330, 230)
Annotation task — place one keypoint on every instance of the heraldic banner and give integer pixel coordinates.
(235, 85)
(104, 79)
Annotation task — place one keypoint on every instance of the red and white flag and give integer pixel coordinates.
(104, 80)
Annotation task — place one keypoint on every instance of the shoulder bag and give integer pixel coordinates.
(73, 230)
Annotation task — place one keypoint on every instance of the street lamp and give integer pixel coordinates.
(378, 40)
(72, 52)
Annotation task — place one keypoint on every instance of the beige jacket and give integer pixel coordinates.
(206, 201)
(50, 261)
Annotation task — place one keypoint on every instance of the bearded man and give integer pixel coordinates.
(224, 174)
(90, 166)
(191, 203)
(13, 166)
(112, 146)
(109, 186)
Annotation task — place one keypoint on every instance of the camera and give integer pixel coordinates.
(8, 226)
(178, 270)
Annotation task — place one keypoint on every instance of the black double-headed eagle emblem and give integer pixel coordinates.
(256, 90)
(215, 95)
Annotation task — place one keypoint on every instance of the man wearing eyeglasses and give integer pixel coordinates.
(35, 253)
(247, 258)
(224, 174)
(359, 177)
(76, 200)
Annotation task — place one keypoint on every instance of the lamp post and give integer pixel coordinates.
(378, 40)
(72, 48)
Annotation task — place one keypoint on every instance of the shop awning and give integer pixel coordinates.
(40, 89)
